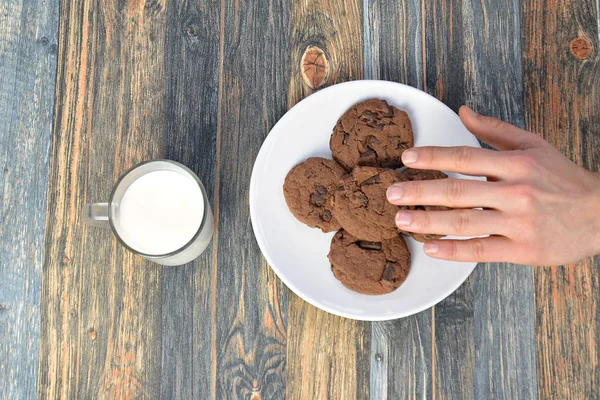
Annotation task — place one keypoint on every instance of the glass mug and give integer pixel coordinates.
(158, 210)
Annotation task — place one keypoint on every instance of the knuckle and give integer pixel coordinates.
(463, 156)
(523, 162)
(453, 249)
(423, 220)
(478, 249)
(412, 190)
(497, 124)
(525, 196)
(461, 222)
(454, 190)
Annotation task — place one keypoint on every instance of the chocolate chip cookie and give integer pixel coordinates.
(410, 174)
(371, 133)
(369, 267)
(360, 203)
(308, 191)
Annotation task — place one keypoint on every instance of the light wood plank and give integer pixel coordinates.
(101, 318)
(562, 93)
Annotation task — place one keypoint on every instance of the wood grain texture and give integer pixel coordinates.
(192, 81)
(401, 350)
(401, 358)
(250, 320)
(334, 27)
(27, 76)
(101, 314)
(562, 94)
(484, 331)
(328, 357)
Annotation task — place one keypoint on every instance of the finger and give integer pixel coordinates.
(456, 193)
(495, 248)
(463, 159)
(497, 133)
(454, 222)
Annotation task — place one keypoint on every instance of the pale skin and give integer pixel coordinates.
(537, 206)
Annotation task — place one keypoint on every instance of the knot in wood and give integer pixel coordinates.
(314, 67)
(191, 31)
(92, 334)
(581, 48)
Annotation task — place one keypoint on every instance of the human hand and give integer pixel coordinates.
(538, 207)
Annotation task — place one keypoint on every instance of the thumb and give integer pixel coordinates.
(497, 133)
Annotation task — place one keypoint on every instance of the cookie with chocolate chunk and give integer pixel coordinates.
(411, 174)
(308, 191)
(361, 205)
(369, 267)
(372, 133)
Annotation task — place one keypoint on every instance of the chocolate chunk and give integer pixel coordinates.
(372, 180)
(369, 157)
(369, 245)
(317, 199)
(390, 272)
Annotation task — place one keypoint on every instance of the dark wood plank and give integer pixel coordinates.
(101, 315)
(484, 331)
(192, 83)
(562, 93)
(27, 76)
(454, 345)
(250, 319)
(323, 365)
(401, 359)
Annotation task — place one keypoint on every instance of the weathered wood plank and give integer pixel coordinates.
(328, 357)
(454, 358)
(250, 319)
(562, 93)
(101, 317)
(401, 359)
(192, 82)
(484, 332)
(27, 79)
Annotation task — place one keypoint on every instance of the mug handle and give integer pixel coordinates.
(96, 214)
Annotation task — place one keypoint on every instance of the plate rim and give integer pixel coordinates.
(252, 191)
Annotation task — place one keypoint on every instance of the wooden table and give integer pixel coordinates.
(89, 88)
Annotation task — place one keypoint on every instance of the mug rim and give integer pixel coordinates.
(180, 249)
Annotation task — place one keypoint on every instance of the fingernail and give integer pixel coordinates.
(431, 248)
(394, 193)
(470, 111)
(403, 219)
(409, 157)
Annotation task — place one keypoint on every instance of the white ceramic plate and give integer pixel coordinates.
(297, 253)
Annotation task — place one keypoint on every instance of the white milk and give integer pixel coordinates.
(160, 212)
